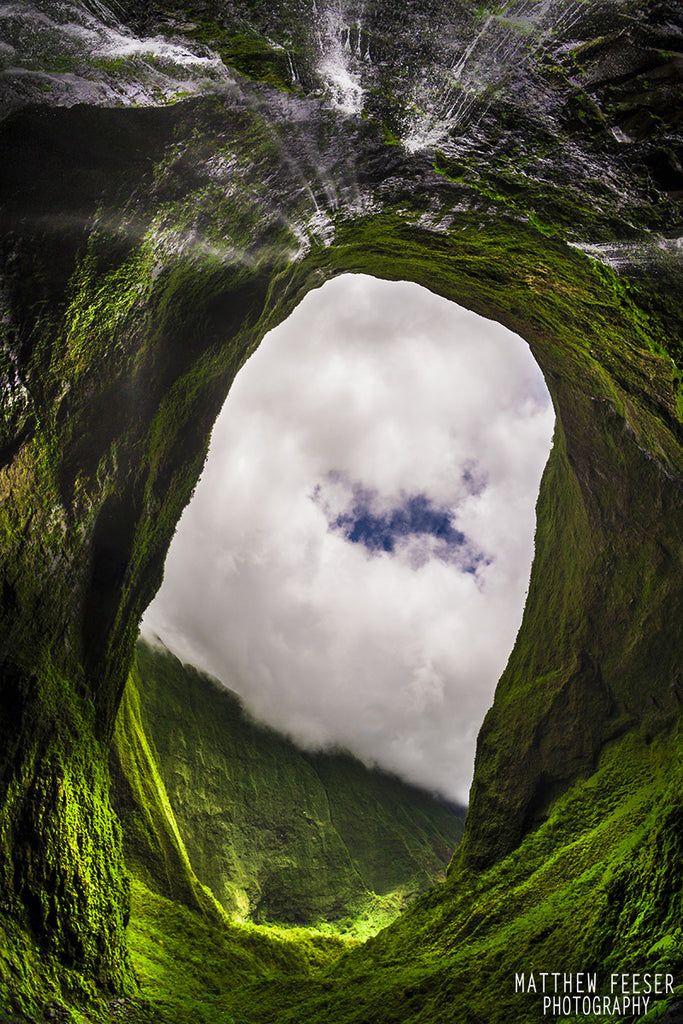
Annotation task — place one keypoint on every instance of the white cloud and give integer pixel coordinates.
(394, 655)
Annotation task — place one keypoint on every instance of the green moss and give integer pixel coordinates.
(590, 890)
(276, 835)
(605, 338)
(140, 276)
(154, 850)
(560, 210)
(205, 971)
(250, 54)
(258, 59)
(65, 891)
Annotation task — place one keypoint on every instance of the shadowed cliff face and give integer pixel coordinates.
(146, 250)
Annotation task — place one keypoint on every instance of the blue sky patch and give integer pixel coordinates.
(413, 516)
(381, 532)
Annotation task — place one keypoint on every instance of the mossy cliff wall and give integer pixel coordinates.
(146, 250)
(275, 834)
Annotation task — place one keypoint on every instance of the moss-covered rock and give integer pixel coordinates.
(146, 251)
(65, 890)
(276, 835)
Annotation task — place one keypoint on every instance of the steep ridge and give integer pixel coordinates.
(277, 835)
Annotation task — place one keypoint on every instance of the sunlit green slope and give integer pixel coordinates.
(276, 834)
(204, 795)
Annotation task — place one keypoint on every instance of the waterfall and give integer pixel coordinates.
(341, 80)
(502, 47)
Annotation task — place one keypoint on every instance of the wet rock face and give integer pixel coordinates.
(175, 180)
(525, 99)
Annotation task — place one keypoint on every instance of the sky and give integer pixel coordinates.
(355, 560)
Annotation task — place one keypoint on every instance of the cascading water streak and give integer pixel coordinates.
(491, 61)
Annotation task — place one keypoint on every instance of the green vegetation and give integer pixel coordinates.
(602, 342)
(590, 890)
(265, 829)
(554, 212)
(145, 253)
(275, 834)
(154, 850)
(213, 971)
(249, 54)
(65, 892)
(580, 887)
